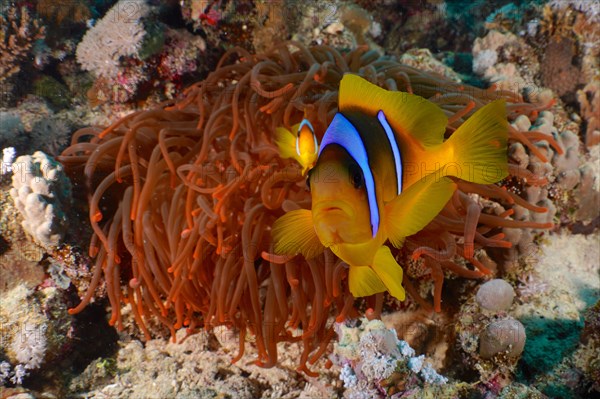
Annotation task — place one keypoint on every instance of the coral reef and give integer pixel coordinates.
(187, 189)
(374, 363)
(35, 328)
(128, 51)
(12, 129)
(557, 69)
(41, 193)
(589, 102)
(8, 157)
(498, 57)
(590, 337)
(555, 361)
(62, 13)
(211, 195)
(18, 33)
(232, 22)
(490, 340)
(198, 366)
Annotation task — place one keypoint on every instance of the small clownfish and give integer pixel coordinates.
(381, 174)
(302, 146)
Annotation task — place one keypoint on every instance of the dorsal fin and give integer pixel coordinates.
(410, 116)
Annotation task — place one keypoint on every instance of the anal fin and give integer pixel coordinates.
(363, 281)
(389, 271)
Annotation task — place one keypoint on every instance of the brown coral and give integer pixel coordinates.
(589, 102)
(557, 69)
(182, 198)
(18, 32)
(64, 12)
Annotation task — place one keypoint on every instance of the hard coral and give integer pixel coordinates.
(182, 196)
(589, 102)
(374, 361)
(558, 71)
(18, 32)
(42, 193)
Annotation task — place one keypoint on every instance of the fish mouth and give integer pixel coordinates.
(333, 206)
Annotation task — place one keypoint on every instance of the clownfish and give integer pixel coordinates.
(302, 146)
(381, 175)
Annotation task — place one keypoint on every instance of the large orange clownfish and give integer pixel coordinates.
(381, 175)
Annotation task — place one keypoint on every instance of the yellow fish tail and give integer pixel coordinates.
(286, 142)
(477, 148)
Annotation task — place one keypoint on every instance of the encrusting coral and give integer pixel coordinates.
(182, 198)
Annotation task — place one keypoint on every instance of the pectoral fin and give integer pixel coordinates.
(294, 233)
(363, 281)
(389, 271)
(411, 211)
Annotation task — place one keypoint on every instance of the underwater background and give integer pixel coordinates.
(529, 328)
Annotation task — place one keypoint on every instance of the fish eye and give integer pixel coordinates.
(356, 176)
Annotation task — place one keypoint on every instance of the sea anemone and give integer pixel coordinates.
(182, 197)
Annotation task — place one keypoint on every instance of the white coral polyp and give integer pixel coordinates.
(8, 156)
(30, 345)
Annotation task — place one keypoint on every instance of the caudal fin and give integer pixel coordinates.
(479, 146)
(286, 142)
